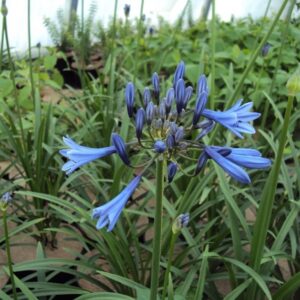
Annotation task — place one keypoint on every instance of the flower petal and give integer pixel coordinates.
(229, 167)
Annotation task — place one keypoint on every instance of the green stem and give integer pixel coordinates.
(157, 228)
(29, 53)
(2, 42)
(9, 260)
(213, 50)
(169, 264)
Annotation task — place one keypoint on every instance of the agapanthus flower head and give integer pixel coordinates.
(172, 130)
(109, 213)
(236, 119)
(126, 10)
(80, 155)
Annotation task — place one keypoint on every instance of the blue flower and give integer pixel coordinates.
(236, 119)
(80, 155)
(232, 159)
(109, 213)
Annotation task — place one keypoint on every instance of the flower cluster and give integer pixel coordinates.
(171, 128)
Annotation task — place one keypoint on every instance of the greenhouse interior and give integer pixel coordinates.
(150, 150)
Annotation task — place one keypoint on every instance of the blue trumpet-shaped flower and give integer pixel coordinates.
(109, 213)
(80, 155)
(236, 119)
(231, 160)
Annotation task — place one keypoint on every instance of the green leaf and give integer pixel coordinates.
(6, 87)
(50, 61)
(289, 287)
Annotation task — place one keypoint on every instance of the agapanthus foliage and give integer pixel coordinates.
(173, 130)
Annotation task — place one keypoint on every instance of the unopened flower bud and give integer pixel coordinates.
(147, 96)
(265, 49)
(126, 10)
(187, 95)
(179, 95)
(155, 83)
(160, 146)
(170, 141)
(139, 122)
(201, 162)
(180, 222)
(149, 112)
(169, 99)
(179, 134)
(120, 147)
(162, 110)
(172, 169)
(129, 98)
(206, 126)
(5, 200)
(179, 73)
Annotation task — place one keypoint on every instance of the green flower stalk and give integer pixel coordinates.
(4, 202)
